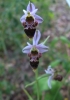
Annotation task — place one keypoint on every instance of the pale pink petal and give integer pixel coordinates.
(22, 19)
(49, 81)
(49, 71)
(42, 50)
(25, 12)
(36, 37)
(28, 44)
(30, 7)
(26, 49)
(38, 19)
(42, 46)
(34, 11)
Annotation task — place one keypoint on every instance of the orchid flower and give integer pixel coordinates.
(35, 49)
(68, 2)
(50, 72)
(30, 14)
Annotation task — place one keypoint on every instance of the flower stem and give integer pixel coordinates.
(38, 78)
(36, 75)
(30, 98)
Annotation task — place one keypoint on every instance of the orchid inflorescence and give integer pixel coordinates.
(30, 20)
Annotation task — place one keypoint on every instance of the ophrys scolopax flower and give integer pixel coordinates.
(35, 50)
(30, 20)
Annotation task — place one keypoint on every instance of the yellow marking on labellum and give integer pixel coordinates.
(30, 39)
(34, 70)
(65, 98)
(34, 49)
(29, 16)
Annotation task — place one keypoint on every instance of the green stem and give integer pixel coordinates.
(30, 84)
(4, 47)
(30, 98)
(36, 75)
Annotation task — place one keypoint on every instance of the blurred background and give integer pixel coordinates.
(15, 69)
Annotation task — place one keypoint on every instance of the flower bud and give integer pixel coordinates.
(58, 77)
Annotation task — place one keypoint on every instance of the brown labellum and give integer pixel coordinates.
(30, 26)
(34, 64)
(29, 19)
(30, 32)
(34, 52)
(58, 77)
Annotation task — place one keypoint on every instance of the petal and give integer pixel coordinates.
(49, 81)
(42, 48)
(26, 49)
(30, 7)
(28, 44)
(36, 37)
(41, 45)
(38, 19)
(34, 11)
(25, 12)
(68, 2)
(48, 72)
(22, 19)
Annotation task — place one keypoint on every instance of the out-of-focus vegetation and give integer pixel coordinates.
(13, 38)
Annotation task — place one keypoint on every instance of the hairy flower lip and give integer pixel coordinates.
(30, 32)
(34, 64)
(34, 52)
(29, 19)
